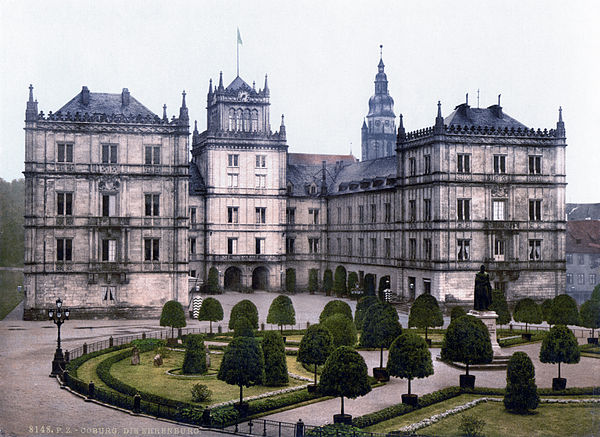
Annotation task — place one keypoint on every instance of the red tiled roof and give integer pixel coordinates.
(583, 236)
(317, 159)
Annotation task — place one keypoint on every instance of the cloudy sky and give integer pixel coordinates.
(321, 58)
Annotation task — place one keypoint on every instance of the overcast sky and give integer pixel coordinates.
(321, 58)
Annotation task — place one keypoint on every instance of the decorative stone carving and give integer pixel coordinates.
(135, 356)
(108, 184)
(158, 361)
(499, 191)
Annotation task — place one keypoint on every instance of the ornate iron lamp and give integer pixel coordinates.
(58, 315)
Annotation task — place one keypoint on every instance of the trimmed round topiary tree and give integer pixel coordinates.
(564, 311)
(362, 306)
(352, 281)
(521, 391)
(527, 311)
(335, 307)
(409, 358)
(327, 281)
(467, 341)
(500, 307)
(424, 313)
(559, 346)
(546, 308)
(243, 328)
(244, 308)
(243, 364)
(342, 329)
(276, 373)
(457, 312)
(290, 280)
(344, 375)
(380, 328)
(590, 317)
(281, 312)
(313, 280)
(210, 310)
(316, 345)
(339, 281)
(213, 281)
(194, 361)
(172, 315)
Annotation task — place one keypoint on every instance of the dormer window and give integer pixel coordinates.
(313, 188)
(290, 188)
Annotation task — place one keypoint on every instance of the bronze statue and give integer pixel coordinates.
(483, 291)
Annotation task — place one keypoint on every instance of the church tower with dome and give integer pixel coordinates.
(378, 133)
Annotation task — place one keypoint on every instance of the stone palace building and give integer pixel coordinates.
(118, 220)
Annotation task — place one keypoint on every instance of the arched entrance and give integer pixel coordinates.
(260, 278)
(233, 279)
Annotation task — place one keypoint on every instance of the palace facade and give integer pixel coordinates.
(118, 220)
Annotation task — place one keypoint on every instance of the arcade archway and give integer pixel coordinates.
(233, 279)
(260, 278)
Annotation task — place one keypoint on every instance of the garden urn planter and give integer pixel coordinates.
(412, 400)
(592, 340)
(559, 383)
(381, 374)
(467, 381)
(526, 336)
(346, 419)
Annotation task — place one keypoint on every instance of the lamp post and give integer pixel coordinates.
(58, 315)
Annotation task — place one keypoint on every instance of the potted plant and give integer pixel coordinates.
(559, 346)
(424, 313)
(590, 318)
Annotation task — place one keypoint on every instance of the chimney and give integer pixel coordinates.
(125, 97)
(323, 178)
(85, 96)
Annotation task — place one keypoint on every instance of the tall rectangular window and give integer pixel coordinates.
(261, 181)
(64, 249)
(261, 161)
(569, 258)
(349, 247)
(463, 209)
(64, 203)
(261, 215)
(109, 250)
(313, 245)
(361, 213)
(192, 245)
(151, 249)
(232, 246)
(581, 259)
(535, 250)
(339, 246)
(233, 160)
(499, 164)
(388, 212)
(290, 216)
(387, 251)
(581, 278)
(373, 247)
(427, 210)
(463, 163)
(339, 215)
(535, 210)
(535, 164)
(109, 294)
(463, 248)
(349, 214)
(412, 166)
(427, 248)
(64, 152)
(412, 210)
(290, 245)
(361, 247)
(427, 164)
(152, 155)
(412, 248)
(592, 279)
(498, 212)
(232, 214)
(498, 249)
(313, 216)
(232, 180)
(109, 205)
(152, 204)
(109, 153)
(373, 213)
(193, 215)
(569, 278)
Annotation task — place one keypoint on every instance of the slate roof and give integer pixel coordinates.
(238, 84)
(317, 159)
(464, 115)
(583, 211)
(106, 103)
(196, 184)
(583, 236)
(364, 175)
(302, 176)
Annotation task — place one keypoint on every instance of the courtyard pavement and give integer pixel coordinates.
(30, 399)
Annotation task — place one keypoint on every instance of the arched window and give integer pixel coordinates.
(254, 120)
(247, 120)
(232, 119)
(238, 124)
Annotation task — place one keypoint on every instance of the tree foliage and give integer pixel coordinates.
(546, 307)
(213, 281)
(194, 360)
(467, 341)
(590, 314)
(527, 311)
(276, 373)
(335, 307)
(243, 328)
(362, 306)
(345, 374)
(12, 195)
(500, 306)
(560, 346)
(290, 280)
(521, 390)
(352, 281)
(244, 308)
(281, 311)
(425, 313)
(313, 280)
(564, 311)
(172, 315)
(457, 312)
(327, 281)
(339, 281)
(316, 345)
(369, 284)
(380, 327)
(409, 357)
(595, 293)
(211, 311)
(342, 329)
(243, 363)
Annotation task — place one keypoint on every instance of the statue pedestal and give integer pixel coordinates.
(489, 320)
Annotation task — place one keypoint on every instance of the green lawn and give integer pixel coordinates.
(87, 371)
(547, 420)
(154, 380)
(9, 297)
